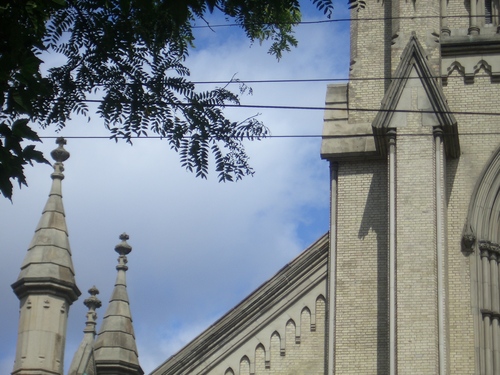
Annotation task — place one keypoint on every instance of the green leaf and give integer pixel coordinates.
(22, 130)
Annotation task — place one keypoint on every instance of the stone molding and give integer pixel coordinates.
(482, 231)
(414, 59)
(469, 54)
(342, 139)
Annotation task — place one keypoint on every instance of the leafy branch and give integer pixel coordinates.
(130, 54)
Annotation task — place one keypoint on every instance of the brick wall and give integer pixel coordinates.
(462, 175)
(362, 249)
(361, 316)
(302, 355)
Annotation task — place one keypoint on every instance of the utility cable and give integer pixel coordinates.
(338, 136)
(350, 109)
(309, 80)
(342, 20)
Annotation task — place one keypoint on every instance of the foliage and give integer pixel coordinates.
(357, 4)
(128, 55)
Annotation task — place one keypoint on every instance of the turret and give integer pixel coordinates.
(46, 286)
(83, 361)
(115, 348)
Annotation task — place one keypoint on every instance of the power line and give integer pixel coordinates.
(341, 20)
(338, 136)
(350, 109)
(307, 80)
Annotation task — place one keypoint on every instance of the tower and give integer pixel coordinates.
(46, 286)
(412, 141)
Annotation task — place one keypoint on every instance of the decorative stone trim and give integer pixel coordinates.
(490, 313)
(414, 60)
(299, 284)
(489, 249)
(468, 241)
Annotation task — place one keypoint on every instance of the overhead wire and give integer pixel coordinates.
(331, 136)
(308, 80)
(336, 20)
(323, 108)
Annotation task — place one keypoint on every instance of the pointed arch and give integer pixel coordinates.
(456, 66)
(290, 332)
(482, 64)
(244, 365)
(261, 358)
(306, 320)
(276, 338)
(229, 371)
(320, 313)
(481, 241)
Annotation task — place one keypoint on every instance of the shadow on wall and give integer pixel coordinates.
(376, 218)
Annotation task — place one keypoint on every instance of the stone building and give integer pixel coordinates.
(407, 279)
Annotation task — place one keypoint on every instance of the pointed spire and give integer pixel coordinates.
(115, 347)
(46, 285)
(84, 361)
(48, 264)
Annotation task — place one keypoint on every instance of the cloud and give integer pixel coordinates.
(199, 247)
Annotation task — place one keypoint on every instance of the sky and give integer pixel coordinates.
(199, 246)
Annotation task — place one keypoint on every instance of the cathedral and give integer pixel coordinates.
(406, 281)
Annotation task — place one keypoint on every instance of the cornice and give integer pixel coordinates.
(464, 45)
(46, 285)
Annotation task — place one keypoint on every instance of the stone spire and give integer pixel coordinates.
(46, 285)
(83, 361)
(115, 348)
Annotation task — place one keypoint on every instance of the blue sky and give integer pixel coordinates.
(199, 247)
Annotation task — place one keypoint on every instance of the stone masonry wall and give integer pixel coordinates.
(479, 138)
(369, 51)
(298, 356)
(362, 307)
(416, 270)
(458, 12)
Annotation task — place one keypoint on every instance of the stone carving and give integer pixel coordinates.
(60, 154)
(468, 240)
(92, 304)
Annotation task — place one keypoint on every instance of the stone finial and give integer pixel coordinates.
(92, 304)
(123, 248)
(60, 154)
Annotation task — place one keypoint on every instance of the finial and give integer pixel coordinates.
(93, 302)
(60, 154)
(123, 248)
